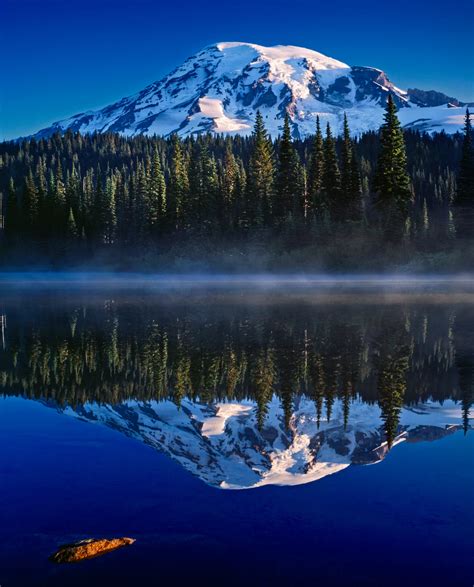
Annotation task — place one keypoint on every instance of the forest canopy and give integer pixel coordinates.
(393, 194)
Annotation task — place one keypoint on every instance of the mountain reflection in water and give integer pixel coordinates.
(246, 394)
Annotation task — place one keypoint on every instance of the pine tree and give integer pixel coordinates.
(31, 205)
(331, 180)
(88, 205)
(301, 199)
(229, 188)
(287, 198)
(425, 220)
(315, 173)
(12, 212)
(263, 374)
(40, 180)
(317, 380)
(182, 378)
(109, 212)
(178, 186)
(451, 227)
(392, 362)
(192, 210)
(122, 205)
(464, 200)
(71, 231)
(346, 163)
(356, 188)
(261, 176)
(59, 200)
(351, 204)
(346, 403)
(156, 208)
(240, 216)
(391, 183)
(210, 185)
(73, 196)
(98, 206)
(139, 204)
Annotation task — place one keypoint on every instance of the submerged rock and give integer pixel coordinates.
(89, 548)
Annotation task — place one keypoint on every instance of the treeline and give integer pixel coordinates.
(392, 356)
(104, 189)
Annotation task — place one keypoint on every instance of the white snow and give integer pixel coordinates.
(435, 414)
(213, 108)
(220, 89)
(281, 53)
(433, 118)
(222, 445)
(215, 425)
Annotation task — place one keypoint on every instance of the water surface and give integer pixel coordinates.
(242, 435)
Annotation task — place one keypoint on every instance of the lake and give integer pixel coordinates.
(244, 433)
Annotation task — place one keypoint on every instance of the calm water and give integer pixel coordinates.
(243, 437)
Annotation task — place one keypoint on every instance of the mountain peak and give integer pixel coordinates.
(223, 445)
(283, 53)
(220, 89)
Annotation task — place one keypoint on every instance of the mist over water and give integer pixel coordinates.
(248, 280)
(237, 289)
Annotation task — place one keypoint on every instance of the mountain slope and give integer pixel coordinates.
(222, 445)
(220, 89)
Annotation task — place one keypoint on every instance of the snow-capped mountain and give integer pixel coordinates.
(220, 89)
(222, 445)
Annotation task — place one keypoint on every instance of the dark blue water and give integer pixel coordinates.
(406, 520)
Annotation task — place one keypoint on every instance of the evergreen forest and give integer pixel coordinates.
(389, 199)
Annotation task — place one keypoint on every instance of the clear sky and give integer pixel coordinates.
(61, 57)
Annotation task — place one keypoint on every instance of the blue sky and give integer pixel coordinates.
(61, 57)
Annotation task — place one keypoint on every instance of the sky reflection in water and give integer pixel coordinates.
(269, 392)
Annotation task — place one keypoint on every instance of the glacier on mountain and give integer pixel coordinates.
(222, 444)
(220, 89)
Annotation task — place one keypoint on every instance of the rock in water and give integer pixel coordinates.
(89, 548)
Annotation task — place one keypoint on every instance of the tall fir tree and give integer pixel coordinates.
(122, 200)
(88, 205)
(40, 179)
(229, 188)
(392, 192)
(351, 193)
(12, 212)
(209, 208)
(287, 199)
(331, 180)
(156, 205)
(71, 230)
(31, 205)
(356, 188)
(262, 376)
(59, 201)
(109, 213)
(261, 176)
(192, 209)
(98, 209)
(464, 200)
(73, 190)
(315, 173)
(240, 218)
(178, 189)
(140, 203)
